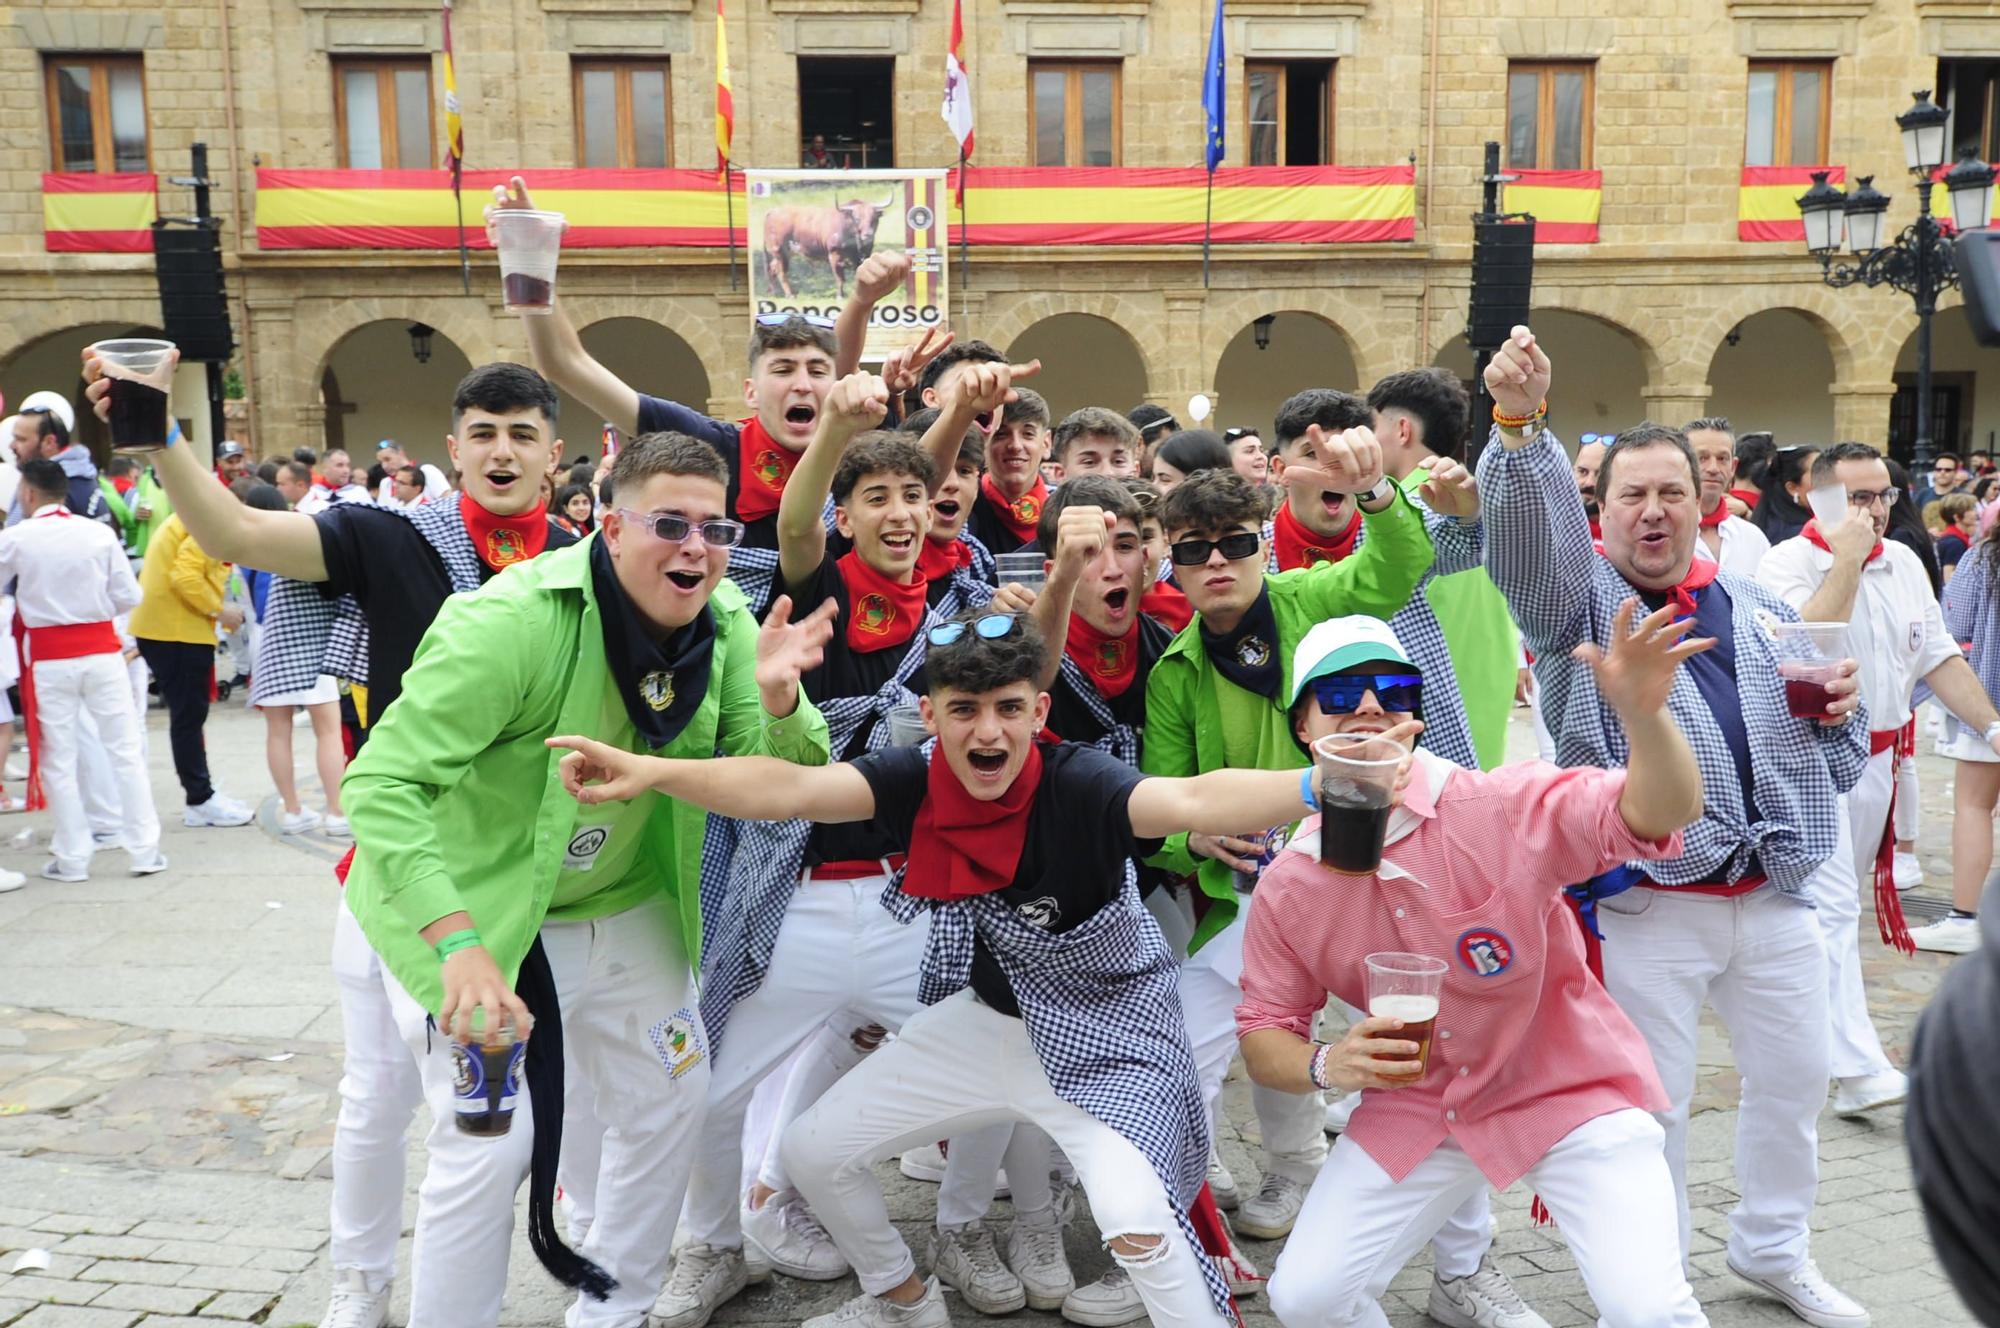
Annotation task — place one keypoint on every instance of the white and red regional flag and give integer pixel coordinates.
(957, 109)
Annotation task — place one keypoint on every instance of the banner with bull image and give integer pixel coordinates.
(810, 231)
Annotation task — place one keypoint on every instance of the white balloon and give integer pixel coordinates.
(1198, 407)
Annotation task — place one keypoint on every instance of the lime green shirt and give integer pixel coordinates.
(602, 870)
(1485, 647)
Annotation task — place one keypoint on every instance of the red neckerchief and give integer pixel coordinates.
(1020, 515)
(763, 467)
(938, 559)
(880, 612)
(961, 846)
(1686, 596)
(1596, 531)
(502, 541)
(1811, 532)
(1167, 604)
(1748, 497)
(1954, 530)
(1109, 661)
(1710, 520)
(1300, 547)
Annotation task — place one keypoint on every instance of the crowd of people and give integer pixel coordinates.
(902, 772)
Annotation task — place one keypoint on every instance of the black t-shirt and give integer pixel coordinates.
(1071, 720)
(1078, 838)
(658, 415)
(987, 526)
(379, 558)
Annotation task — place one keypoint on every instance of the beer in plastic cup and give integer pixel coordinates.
(488, 1081)
(1809, 655)
(141, 374)
(1022, 569)
(1357, 778)
(906, 727)
(1405, 987)
(528, 241)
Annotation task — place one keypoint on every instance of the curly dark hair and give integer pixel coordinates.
(880, 452)
(792, 334)
(1084, 491)
(975, 664)
(1216, 499)
(665, 453)
(1434, 398)
(977, 352)
(1331, 410)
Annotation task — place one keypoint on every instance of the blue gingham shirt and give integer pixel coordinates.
(1972, 613)
(1562, 593)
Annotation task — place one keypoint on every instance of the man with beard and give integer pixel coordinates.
(1589, 456)
(1725, 537)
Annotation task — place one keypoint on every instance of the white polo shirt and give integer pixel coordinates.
(1743, 547)
(67, 569)
(1895, 629)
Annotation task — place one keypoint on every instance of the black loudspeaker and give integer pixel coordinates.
(193, 305)
(1503, 277)
(1976, 255)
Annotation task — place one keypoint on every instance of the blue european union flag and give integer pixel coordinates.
(1212, 89)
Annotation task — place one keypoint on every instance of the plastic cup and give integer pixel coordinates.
(1406, 987)
(1357, 782)
(487, 1082)
(528, 242)
(141, 374)
(906, 727)
(1022, 569)
(1809, 655)
(1829, 504)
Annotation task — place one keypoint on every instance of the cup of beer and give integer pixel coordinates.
(1021, 569)
(1405, 987)
(528, 241)
(1809, 654)
(487, 1081)
(141, 374)
(906, 727)
(1357, 781)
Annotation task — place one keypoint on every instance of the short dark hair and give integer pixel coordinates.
(298, 470)
(971, 448)
(1824, 464)
(1028, 405)
(978, 664)
(120, 464)
(880, 452)
(1646, 433)
(1434, 398)
(1149, 419)
(48, 424)
(962, 352)
(1191, 450)
(1953, 457)
(1084, 491)
(1215, 499)
(305, 456)
(1331, 410)
(267, 471)
(663, 453)
(1712, 423)
(46, 476)
(1753, 456)
(1093, 420)
(263, 497)
(503, 388)
(792, 334)
(412, 475)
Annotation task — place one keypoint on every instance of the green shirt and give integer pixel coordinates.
(159, 508)
(1485, 647)
(602, 870)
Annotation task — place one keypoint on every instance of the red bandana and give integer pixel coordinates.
(1956, 533)
(1686, 596)
(961, 846)
(1710, 520)
(880, 612)
(1748, 497)
(502, 541)
(1811, 532)
(1300, 547)
(1020, 515)
(938, 559)
(1167, 604)
(1109, 661)
(763, 466)
(1597, 531)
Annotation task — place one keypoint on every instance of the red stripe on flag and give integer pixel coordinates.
(1767, 231)
(87, 182)
(445, 237)
(98, 242)
(1565, 232)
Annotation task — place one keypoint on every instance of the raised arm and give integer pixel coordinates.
(1228, 802)
(748, 788)
(878, 276)
(1081, 535)
(1449, 502)
(1380, 578)
(979, 389)
(857, 402)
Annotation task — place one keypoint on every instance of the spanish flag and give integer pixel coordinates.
(1564, 204)
(1767, 203)
(725, 101)
(87, 213)
(454, 124)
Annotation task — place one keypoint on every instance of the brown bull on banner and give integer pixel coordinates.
(842, 235)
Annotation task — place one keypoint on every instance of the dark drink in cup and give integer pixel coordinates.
(1806, 695)
(1418, 1015)
(528, 243)
(1809, 655)
(1354, 821)
(138, 415)
(525, 292)
(488, 1080)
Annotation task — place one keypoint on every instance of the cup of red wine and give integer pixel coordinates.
(1357, 782)
(528, 241)
(1809, 655)
(141, 374)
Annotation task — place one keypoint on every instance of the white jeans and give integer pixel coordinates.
(960, 1066)
(1838, 887)
(1605, 1182)
(1758, 958)
(66, 692)
(619, 981)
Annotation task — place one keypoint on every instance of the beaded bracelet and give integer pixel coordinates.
(1318, 1071)
(1522, 421)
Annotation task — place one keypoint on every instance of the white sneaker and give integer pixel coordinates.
(1222, 1184)
(784, 1235)
(1908, 871)
(965, 1258)
(1270, 1213)
(55, 869)
(298, 822)
(927, 1165)
(353, 1305)
(149, 864)
(1035, 1253)
(11, 881)
(1865, 1092)
(1809, 1295)
(1340, 1111)
(1237, 1270)
(874, 1312)
(218, 811)
(1948, 935)
(1109, 1302)
(705, 1278)
(336, 826)
(1486, 1299)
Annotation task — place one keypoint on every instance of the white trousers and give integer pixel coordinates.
(1909, 802)
(788, 1094)
(1759, 959)
(958, 1067)
(620, 981)
(1840, 885)
(66, 691)
(1605, 1182)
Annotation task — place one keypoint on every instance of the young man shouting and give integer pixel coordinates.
(1012, 490)
(952, 560)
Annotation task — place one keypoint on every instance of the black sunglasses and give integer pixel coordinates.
(988, 627)
(1341, 693)
(717, 534)
(783, 317)
(1194, 552)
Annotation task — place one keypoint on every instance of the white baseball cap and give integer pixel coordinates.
(1340, 643)
(55, 403)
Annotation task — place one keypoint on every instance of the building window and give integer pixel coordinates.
(1550, 113)
(621, 113)
(97, 113)
(382, 114)
(847, 112)
(1289, 109)
(1970, 89)
(1789, 113)
(1076, 114)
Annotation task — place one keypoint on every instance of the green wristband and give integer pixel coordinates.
(458, 940)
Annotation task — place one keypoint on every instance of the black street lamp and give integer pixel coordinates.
(1916, 262)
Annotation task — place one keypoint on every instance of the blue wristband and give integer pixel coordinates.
(1307, 793)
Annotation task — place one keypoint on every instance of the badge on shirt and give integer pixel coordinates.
(1916, 636)
(1043, 913)
(1253, 652)
(874, 614)
(584, 846)
(1486, 952)
(656, 689)
(678, 1040)
(505, 547)
(1767, 621)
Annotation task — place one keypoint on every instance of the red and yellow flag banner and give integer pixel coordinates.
(725, 95)
(87, 213)
(1767, 204)
(1564, 204)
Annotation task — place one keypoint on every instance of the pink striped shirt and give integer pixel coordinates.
(1528, 1044)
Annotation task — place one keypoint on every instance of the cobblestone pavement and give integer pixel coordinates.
(169, 1049)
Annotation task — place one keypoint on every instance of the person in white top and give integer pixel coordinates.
(1850, 574)
(336, 484)
(72, 579)
(1723, 538)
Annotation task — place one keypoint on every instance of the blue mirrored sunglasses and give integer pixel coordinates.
(784, 316)
(989, 627)
(1341, 693)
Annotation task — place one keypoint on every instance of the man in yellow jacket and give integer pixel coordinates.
(180, 608)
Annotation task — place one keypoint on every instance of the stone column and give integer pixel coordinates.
(1673, 404)
(1185, 373)
(1861, 413)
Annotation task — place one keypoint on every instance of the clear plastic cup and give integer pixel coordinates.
(141, 374)
(487, 1081)
(1022, 569)
(1406, 987)
(1809, 654)
(906, 727)
(1357, 782)
(528, 242)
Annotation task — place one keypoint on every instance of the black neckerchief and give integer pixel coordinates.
(1248, 655)
(662, 685)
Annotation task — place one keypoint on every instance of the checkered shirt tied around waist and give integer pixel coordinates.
(1119, 739)
(1563, 592)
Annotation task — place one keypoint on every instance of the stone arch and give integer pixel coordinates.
(466, 325)
(1356, 326)
(1087, 360)
(29, 322)
(1604, 387)
(1305, 350)
(1614, 308)
(692, 321)
(370, 386)
(1142, 325)
(1772, 371)
(1848, 339)
(49, 362)
(648, 356)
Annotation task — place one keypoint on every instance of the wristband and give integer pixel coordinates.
(1317, 1071)
(1384, 489)
(463, 939)
(1307, 793)
(1991, 730)
(1522, 421)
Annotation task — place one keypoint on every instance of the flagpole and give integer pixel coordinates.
(964, 245)
(729, 196)
(458, 200)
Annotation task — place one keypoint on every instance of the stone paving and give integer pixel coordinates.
(169, 1050)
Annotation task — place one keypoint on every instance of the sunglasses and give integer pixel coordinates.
(717, 534)
(987, 627)
(1231, 435)
(1146, 431)
(1341, 693)
(1194, 552)
(784, 316)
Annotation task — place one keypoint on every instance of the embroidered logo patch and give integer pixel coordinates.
(1916, 636)
(1026, 509)
(1487, 953)
(1044, 913)
(874, 614)
(1768, 622)
(678, 1041)
(584, 847)
(770, 467)
(505, 547)
(1253, 652)
(1109, 661)
(656, 689)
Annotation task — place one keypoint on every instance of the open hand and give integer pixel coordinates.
(787, 651)
(1637, 673)
(905, 365)
(879, 275)
(1356, 1060)
(598, 772)
(1517, 377)
(1451, 490)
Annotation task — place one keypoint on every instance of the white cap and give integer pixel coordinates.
(1340, 643)
(55, 403)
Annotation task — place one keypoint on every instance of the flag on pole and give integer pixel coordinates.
(957, 108)
(725, 101)
(454, 150)
(1212, 89)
